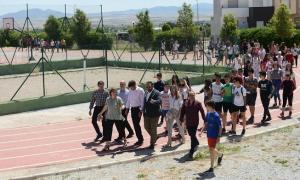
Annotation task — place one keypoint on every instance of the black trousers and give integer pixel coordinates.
(194, 141)
(109, 127)
(136, 123)
(266, 102)
(96, 112)
(126, 125)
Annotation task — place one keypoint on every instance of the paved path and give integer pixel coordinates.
(70, 140)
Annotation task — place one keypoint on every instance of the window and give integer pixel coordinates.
(259, 24)
(258, 3)
(233, 3)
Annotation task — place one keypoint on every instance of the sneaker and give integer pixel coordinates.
(274, 105)
(290, 114)
(130, 135)
(210, 170)
(98, 137)
(223, 131)
(281, 115)
(243, 132)
(269, 119)
(220, 159)
(232, 132)
(138, 143)
(250, 120)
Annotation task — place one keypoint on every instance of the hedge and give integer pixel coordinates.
(13, 107)
(76, 64)
(43, 103)
(266, 35)
(58, 65)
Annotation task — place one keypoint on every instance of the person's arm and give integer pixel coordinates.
(142, 99)
(93, 100)
(100, 115)
(156, 100)
(202, 129)
(200, 108)
(128, 100)
(182, 113)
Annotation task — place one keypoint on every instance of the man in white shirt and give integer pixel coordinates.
(135, 102)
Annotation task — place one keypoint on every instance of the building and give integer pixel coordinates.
(294, 6)
(249, 13)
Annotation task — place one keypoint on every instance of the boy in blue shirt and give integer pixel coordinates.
(214, 131)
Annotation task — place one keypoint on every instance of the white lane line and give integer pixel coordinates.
(48, 137)
(53, 152)
(45, 131)
(43, 125)
(43, 145)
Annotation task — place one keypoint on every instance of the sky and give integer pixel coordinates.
(90, 5)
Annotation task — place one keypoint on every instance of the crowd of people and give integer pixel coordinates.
(37, 43)
(225, 98)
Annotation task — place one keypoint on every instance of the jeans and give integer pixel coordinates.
(171, 116)
(151, 127)
(276, 83)
(266, 102)
(136, 123)
(194, 141)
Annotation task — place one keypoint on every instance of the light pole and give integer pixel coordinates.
(131, 40)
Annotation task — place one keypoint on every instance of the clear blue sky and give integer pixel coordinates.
(108, 5)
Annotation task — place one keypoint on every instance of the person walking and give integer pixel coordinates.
(216, 89)
(251, 84)
(151, 112)
(227, 101)
(135, 103)
(190, 110)
(98, 99)
(266, 92)
(165, 103)
(288, 87)
(214, 130)
(113, 108)
(159, 84)
(276, 78)
(123, 94)
(239, 105)
(175, 102)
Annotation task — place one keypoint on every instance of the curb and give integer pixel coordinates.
(168, 153)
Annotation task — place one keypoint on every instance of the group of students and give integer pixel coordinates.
(171, 103)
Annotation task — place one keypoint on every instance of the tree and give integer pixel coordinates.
(166, 27)
(52, 28)
(185, 20)
(143, 30)
(80, 28)
(229, 30)
(282, 23)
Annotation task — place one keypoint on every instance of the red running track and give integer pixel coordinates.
(72, 141)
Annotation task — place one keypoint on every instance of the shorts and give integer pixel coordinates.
(227, 107)
(289, 99)
(241, 109)
(251, 99)
(218, 106)
(212, 142)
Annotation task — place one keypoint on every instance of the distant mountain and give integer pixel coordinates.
(158, 15)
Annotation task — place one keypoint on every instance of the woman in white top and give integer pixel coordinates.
(173, 114)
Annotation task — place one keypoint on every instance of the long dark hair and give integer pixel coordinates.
(175, 80)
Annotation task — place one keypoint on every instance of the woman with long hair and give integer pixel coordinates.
(113, 108)
(173, 114)
(289, 71)
(175, 80)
